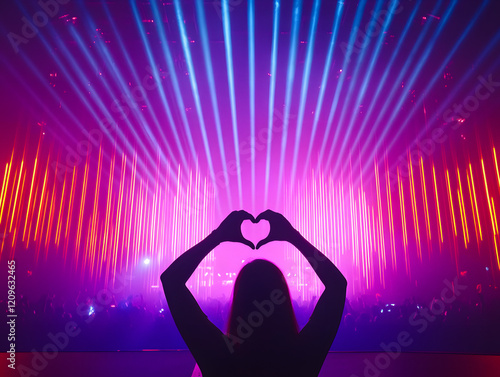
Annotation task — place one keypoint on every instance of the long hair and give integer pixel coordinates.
(261, 315)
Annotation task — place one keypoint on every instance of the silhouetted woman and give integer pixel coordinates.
(263, 337)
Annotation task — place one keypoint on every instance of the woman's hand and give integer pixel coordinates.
(280, 228)
(230, 228)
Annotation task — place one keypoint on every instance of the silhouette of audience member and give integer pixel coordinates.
(262, 338)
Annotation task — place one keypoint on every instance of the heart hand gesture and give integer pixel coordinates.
(280, 227)
(230, 228)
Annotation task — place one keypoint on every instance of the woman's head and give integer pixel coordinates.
(261, 313)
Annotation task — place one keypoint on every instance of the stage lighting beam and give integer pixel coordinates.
(367, 78)
(226, 22)
(146, 98)
(211, 84)
(292, 58)
(251, 84)
(326, 72)
(272, 89)
(340, 84)
(194, 86)
(305, 83)
(171, 70)
(98, 100)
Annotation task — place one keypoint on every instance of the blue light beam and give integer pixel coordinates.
(211, 84)
(292, 57)
(230, 77)
(324, 79)
(251, 85)
(272, 89)
(305, 83)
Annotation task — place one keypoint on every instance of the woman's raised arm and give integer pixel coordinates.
(204, 340)
(318, 334)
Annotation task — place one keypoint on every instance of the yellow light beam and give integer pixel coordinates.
(437, 206)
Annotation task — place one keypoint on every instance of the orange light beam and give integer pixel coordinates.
(82, 209)
(452, 211)
(371, 242)
(488, 199)
(391, 216)
(376, 243)
(494, 214)
(496, 167)
(366, 239)
(414, 209)
(460, 206)
(108, 214)
(437, 206)
(30, 220)
(28, 211)
(42, 197)
(61, 209)
(473, 210)
(475, 202)
(424, 195)
(51, 219)
(93, 225)
(87, 245)
(51, 210)
(119, 213)
(70, 212)
(39, 242)
(18, 218)
(462, 203)
(380, 219)
(131, 210)
(403, 219)
(138, 220)
(16, 196)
